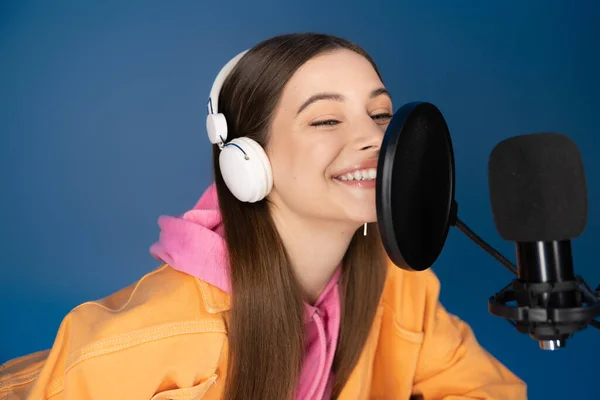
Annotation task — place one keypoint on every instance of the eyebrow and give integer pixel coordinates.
(338, 97)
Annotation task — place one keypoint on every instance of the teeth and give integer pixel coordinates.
(360, 175)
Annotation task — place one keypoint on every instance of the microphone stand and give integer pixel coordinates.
(532, 314)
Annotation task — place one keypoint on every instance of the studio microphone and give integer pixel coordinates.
(539, 201)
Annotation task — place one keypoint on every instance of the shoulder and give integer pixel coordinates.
(411, 296)
(163, 303)
(410, 286)
(164, 299)
(163, 317)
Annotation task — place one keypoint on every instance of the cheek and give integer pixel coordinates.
(302, 161)
(312, 164)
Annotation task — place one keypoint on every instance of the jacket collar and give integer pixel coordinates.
(215, 300)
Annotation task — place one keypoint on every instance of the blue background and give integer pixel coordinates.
(102, 108)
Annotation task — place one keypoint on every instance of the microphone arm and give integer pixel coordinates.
(481, 243)
(532, 313)
(455, 221)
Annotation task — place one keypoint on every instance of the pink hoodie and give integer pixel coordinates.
(194, 244)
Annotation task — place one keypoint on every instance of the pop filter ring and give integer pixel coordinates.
(416, 134)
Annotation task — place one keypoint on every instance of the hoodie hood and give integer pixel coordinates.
(194, 242)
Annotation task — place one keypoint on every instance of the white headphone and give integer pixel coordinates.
(243, 162)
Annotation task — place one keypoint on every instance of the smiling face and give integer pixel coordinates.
(324, 139)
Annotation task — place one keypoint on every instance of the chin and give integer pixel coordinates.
(356, 212)
(359, 219)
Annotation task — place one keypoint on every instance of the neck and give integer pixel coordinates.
(315, 248)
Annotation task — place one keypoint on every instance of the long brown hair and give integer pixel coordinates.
(266, 329)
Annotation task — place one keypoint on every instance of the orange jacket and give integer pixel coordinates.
(164, 337)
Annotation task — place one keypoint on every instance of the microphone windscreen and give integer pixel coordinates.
(537, 188)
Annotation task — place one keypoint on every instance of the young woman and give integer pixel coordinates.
(275, 285)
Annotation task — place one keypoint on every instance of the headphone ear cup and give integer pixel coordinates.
(260, 153)
(246, 170)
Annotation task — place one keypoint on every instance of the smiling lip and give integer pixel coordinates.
(367, 184)
(366, 164)
(363, 184)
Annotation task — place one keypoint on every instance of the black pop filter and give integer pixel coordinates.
(415, 186)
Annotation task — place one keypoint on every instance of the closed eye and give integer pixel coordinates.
(327, 122)
(332, 122)
(382, 116)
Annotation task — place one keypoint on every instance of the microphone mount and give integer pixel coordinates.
(535, 308)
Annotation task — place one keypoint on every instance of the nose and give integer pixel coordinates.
(369, 136)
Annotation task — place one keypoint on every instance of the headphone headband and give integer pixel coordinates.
(244, 164)
(213, 99)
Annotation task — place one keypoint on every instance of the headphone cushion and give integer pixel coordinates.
(266, 164)
(250, 178)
